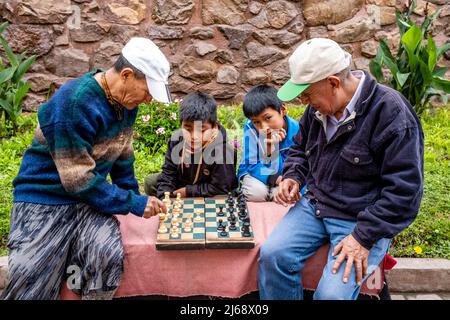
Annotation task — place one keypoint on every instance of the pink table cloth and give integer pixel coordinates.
(229, 273)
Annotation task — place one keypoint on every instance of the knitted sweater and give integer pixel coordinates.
(78, 142)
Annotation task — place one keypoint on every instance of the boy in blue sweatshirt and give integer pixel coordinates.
(268, 134)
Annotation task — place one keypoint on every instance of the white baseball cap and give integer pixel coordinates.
(314, 60)
(145, 56)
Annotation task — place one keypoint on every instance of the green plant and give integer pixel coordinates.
(154, 125)
(414, 70)
(12, 86)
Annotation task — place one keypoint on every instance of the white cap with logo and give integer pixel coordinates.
(145, 56)
(314, 60)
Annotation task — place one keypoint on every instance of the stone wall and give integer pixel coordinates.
(220, 46)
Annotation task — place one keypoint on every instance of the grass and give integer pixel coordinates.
(428, 235)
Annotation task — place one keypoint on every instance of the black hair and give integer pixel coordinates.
(260, 98)
(123, 63)
(198, 106)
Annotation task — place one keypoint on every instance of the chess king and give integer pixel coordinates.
(64, 206)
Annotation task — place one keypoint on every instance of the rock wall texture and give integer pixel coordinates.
(220, 46)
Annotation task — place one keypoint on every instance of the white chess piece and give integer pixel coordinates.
(162, 228)
(198, 217)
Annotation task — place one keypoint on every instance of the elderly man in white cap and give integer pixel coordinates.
(62, 221)
(359, 151)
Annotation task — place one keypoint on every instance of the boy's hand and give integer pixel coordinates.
(154, 206)
(181, 191)
(288, 192)
(274, 137)
(279, 179)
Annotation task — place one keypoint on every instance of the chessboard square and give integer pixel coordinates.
(235, 234)
(188, 210)
(187, 236)
(198, 230)
(199, 225)
(211, 224)
(210, 218)
(211, 229)
(198, 236)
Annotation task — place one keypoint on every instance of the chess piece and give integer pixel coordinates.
(232, 225)
(174, 221)
(174, 233)
(232, 216)
(224, 232)
(246, 229)
(187, 226)
(162, 228)
(221, 226)
(198, 217)
(179, 196)
(220, 213)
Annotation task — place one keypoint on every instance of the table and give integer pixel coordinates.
(229, 273)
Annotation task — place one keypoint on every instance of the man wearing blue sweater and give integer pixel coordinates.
(63, 218)
(268, 134)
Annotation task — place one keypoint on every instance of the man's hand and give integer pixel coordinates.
(351, 250)
(288, 192)
(154, 206)
(181, 191)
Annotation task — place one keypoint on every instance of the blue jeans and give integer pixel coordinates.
(296, 238)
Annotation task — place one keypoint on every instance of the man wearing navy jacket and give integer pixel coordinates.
(359, 151)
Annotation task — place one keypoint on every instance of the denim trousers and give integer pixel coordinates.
(296, 238)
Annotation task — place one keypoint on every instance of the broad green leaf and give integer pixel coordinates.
(7, 74)
(413, 59)
(23, 68)
(441, 84)
(376, 71)
(3, 26)
(432, 53)
(11, 56)
(412, 38)
(20, 94)
(402, 77)
(387, 52)
(440, 71)
(426, 74)
(7, 107)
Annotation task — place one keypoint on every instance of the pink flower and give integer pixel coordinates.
(173, 116)
(235, 144)
(145, 119)
(160, 131)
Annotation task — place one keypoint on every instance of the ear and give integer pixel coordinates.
(335, 82)
(283, 110)
(126, 73)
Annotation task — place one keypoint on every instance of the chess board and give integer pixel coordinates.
(231, 238)
(204, 233)
(191, 239)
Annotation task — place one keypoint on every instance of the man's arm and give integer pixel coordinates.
(70, 144)
(402, 181)
(122, 172)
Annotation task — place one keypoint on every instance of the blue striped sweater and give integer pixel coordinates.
(78, 142)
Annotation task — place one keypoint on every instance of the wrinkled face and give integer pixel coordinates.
(321, 96)
(269, 119)
(134, 91)
(197, 133)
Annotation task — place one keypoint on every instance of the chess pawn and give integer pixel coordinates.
(162, 217)
(187, 226)
(198, 217)
(174, 221)
(174, 233)
(162, 228)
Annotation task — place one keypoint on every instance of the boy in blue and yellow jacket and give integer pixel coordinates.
(268, 134)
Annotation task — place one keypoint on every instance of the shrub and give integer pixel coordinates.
(12, 86)
(154, 125)
(413, 71)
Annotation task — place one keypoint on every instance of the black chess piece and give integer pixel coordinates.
(232, 225)
(246, 229)
(230, 210)
(220, 227)
(242, 213)
(231, 217)
(224, 232)
(220, 213)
